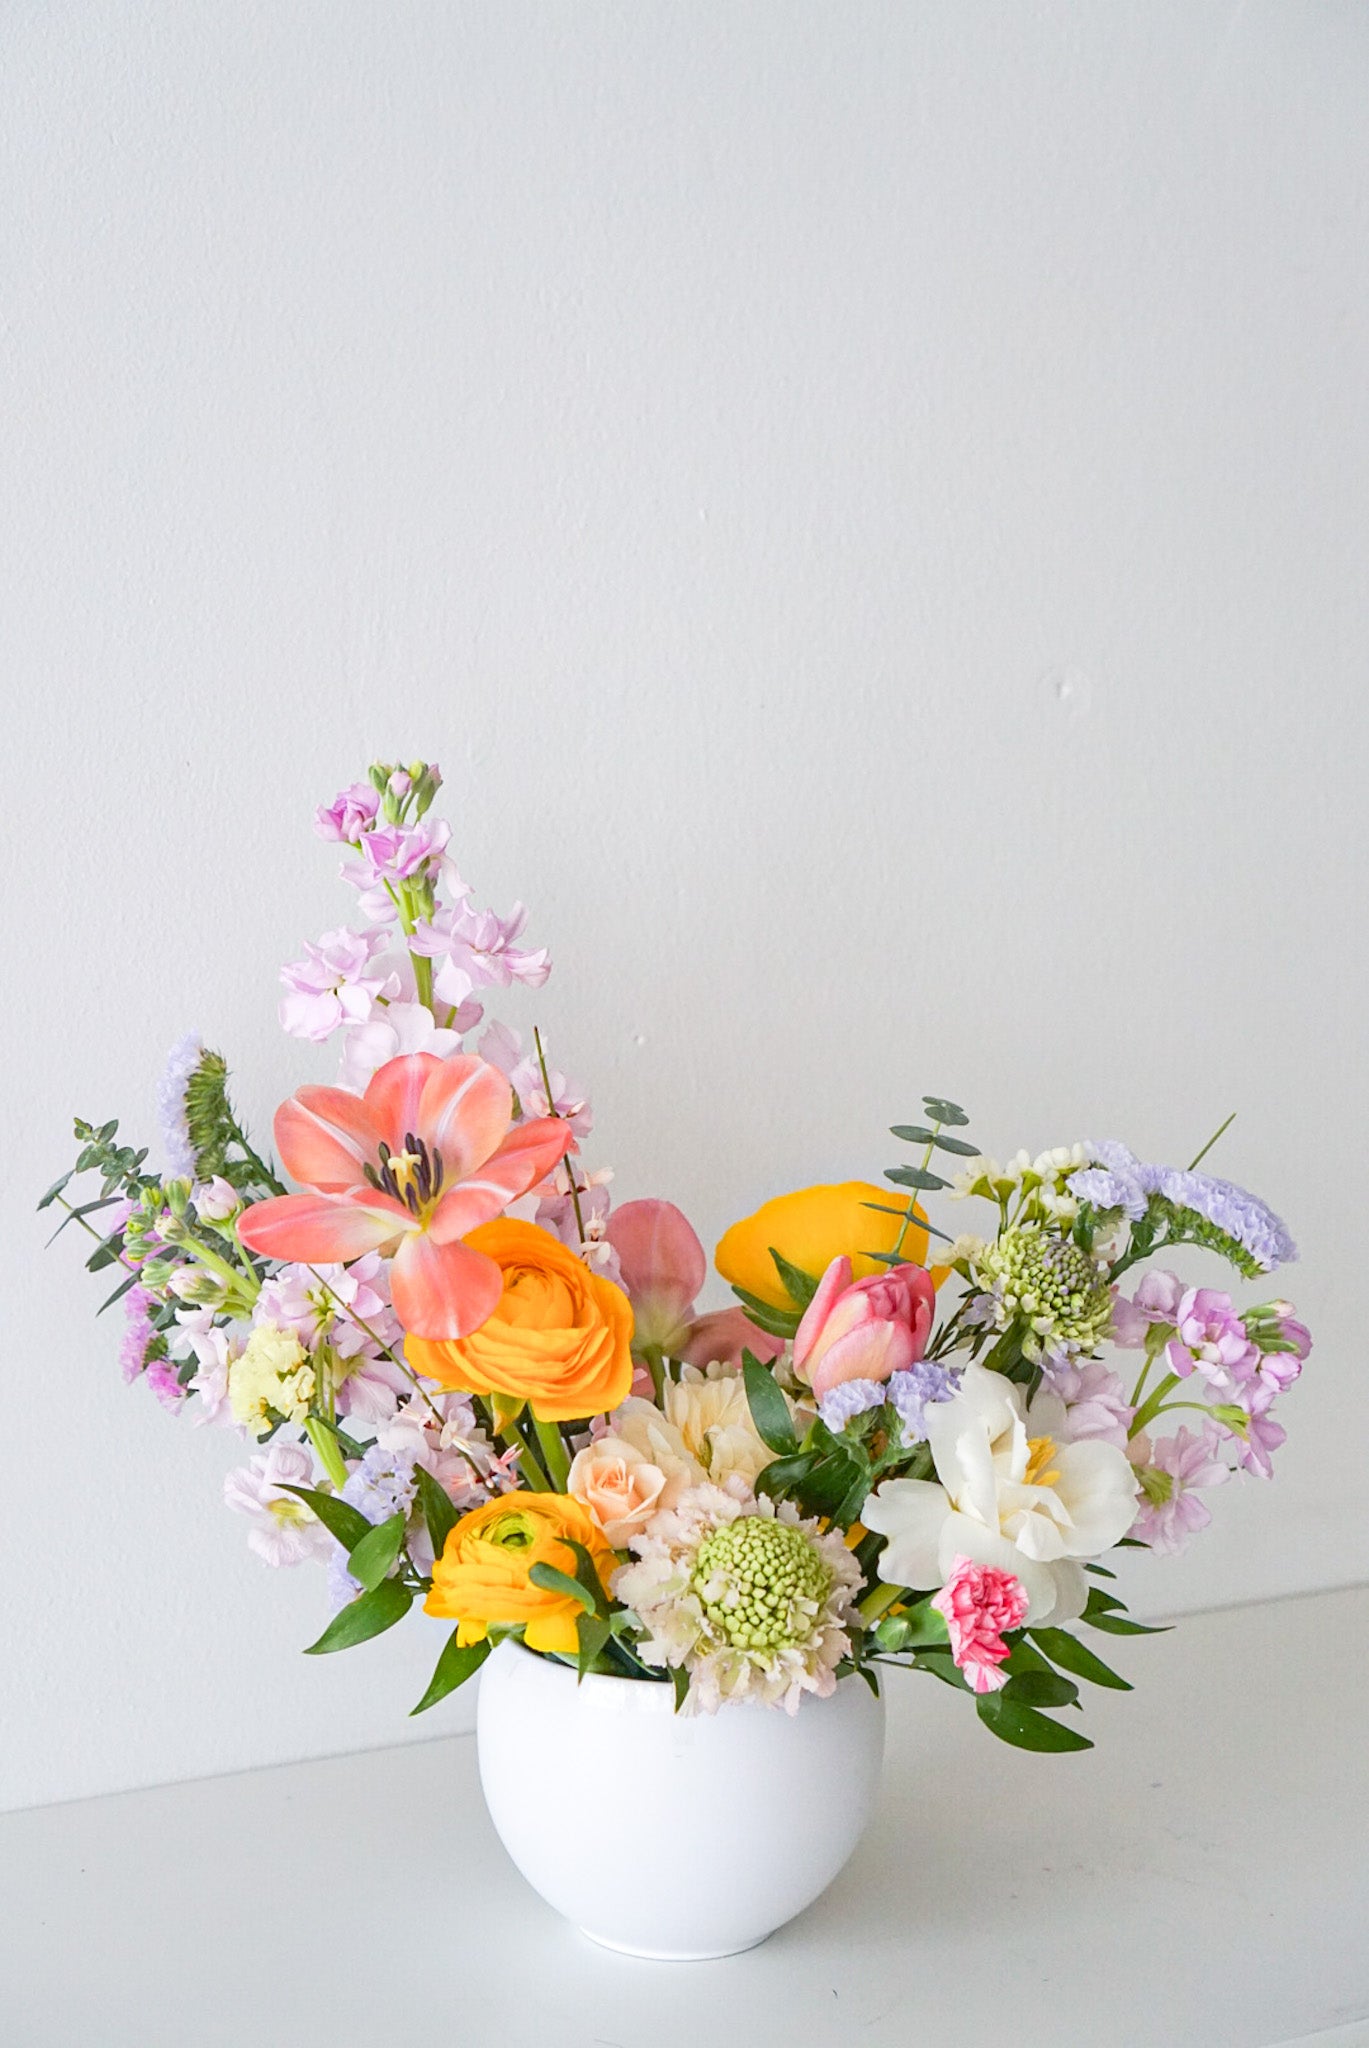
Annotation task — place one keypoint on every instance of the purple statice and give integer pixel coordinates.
(849, 1398)
(1180, 1465)
(181, 1063)
(138, 1333)
(163, 1376)
(919, 1387)
(1117, 1179)
(383, 1484)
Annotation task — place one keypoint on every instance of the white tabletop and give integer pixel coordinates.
(1200, 1879)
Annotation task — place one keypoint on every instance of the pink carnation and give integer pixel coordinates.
(980, 1604)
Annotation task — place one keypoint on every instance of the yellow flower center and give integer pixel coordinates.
(1040, 1449)
(404, 1166)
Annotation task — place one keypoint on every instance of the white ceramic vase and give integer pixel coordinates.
(678, 1837)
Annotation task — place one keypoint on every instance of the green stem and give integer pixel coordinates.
(1219, 1132)
(553, 1111)
(1150, 1409)
(654, 1360)
(878, 1601)
(912, 1199)
(554, 1455)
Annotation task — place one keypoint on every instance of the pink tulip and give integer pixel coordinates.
(663, 1267)
(866, 1329)
(425, 1155)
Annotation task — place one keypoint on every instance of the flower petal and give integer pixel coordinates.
(723, 1334)
(325, 1136)
(911, 1513)
(394, 1092)
(443, 1291)
(661, 1260)
(465, 1113)
(322, 1228)
(525, 1157)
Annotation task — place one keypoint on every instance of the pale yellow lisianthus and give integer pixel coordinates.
(810, 1228)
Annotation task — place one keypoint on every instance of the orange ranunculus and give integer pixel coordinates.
(810, 1228)
(482, 1577)
(559, 1339)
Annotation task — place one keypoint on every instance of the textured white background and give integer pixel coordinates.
(867, 506)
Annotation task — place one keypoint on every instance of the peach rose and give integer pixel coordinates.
(618, 1484)
(483, 1577)
(559, 1339)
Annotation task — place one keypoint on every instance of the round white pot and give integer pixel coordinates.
(665, 1835)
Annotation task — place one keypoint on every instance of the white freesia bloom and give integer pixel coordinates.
(1005, 1494)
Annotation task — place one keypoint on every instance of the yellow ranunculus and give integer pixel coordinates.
(560, 1338)
(482, 1578)
(810, 1228)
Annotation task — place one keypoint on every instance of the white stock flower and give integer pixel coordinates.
(1026, 1504)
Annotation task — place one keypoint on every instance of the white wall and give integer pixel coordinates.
(867, 506)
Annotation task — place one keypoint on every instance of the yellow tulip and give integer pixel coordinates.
(810, 1228)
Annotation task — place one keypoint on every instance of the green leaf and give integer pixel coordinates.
(912, 1134)
(592, 1632)
(914, 1177)
(785, 1475)
(1100, 1602)
(438, 1512)
(454, 1667)
(942, 1665)
(370, 1614)
(551, 1581)
(55, 1190)
(943, 1112)
(1023, 1727)
(798, 1285)
(1100, 1571)
(769, 1409)
(960, 1146)
(586, 1575)
(1070, 1654)
(1116, 1625)
(1041, 1689)
(338, 1517)
(118, 1294)
(370, 1559)
(679, 1678)
(776, 1322)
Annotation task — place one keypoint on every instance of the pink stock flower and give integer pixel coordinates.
(503, 1048)
(1156, 1301)
(330, 985)
(1179, 1465)
(474, 949)
(397, 1029)
(1212, 1340)
(349, 814)
(284, 1531)
(863, 1329)
(1263, 1435)
(663, 1268)
(980, 1604)
(392, 854)
(423, 1157)
(1096, 1406)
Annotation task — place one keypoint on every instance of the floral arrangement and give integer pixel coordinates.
(466, 1381)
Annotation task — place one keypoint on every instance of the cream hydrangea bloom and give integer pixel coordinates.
(274, 1376)
(1005, 1494)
